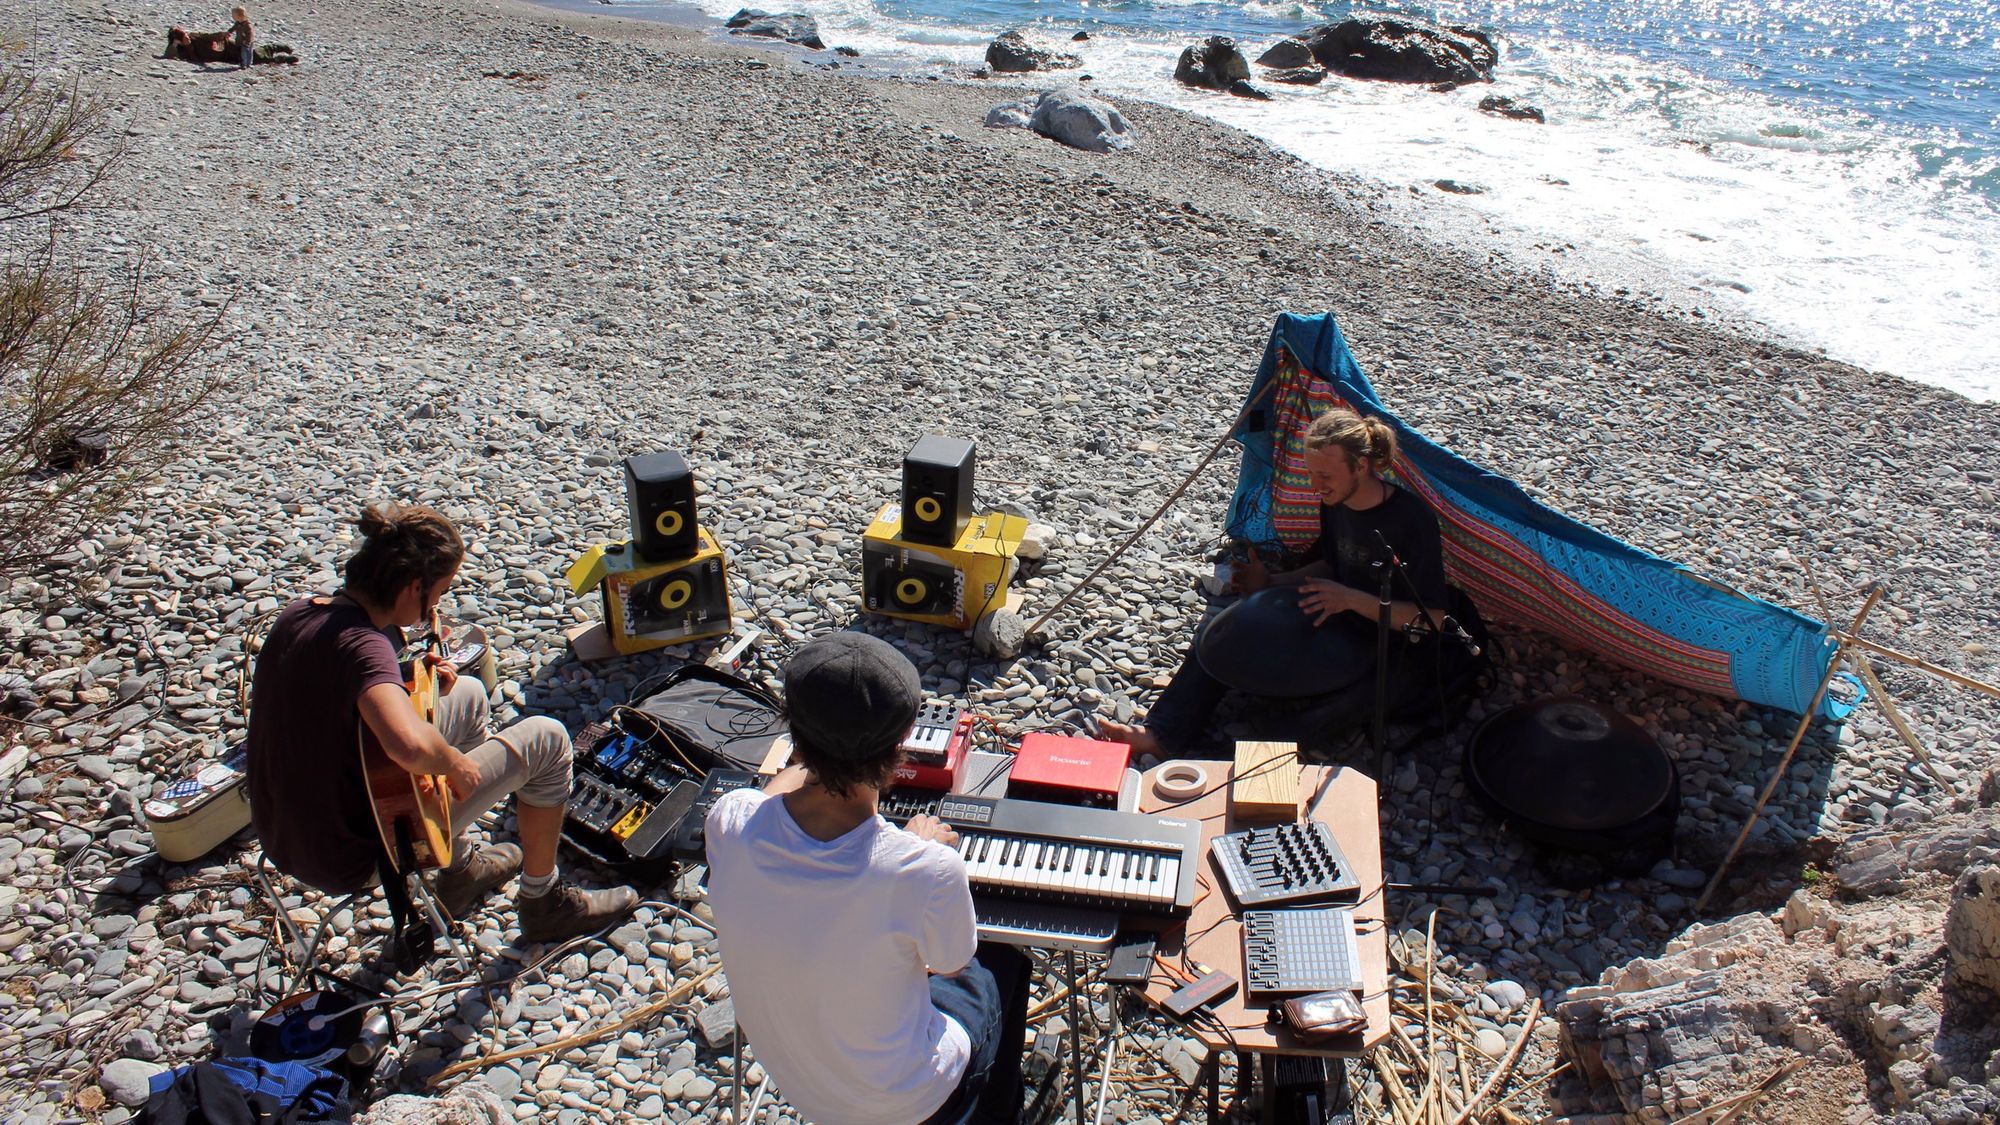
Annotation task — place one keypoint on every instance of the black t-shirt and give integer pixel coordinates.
(307, 796)
(1348, 544)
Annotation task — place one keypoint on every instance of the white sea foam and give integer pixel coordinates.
(1819, 227)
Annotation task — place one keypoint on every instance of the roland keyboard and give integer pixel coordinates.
(1063, 876)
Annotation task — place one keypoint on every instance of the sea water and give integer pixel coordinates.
(1829, 168)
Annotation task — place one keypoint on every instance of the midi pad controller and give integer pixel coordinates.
(1305, 949)
(1296, 862)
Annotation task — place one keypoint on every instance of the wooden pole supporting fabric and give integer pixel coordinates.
(1805, 723)
(1180, 488)
(1917, 662)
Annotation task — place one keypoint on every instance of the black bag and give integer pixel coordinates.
(707, 718)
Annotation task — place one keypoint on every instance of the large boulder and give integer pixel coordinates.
(1288, 53)
(792, 27)
(1080, 122)
(1396, 50)
(1972, 929)
(1215, 64)
(1013, 54)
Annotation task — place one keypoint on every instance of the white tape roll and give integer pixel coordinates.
(1180, 782)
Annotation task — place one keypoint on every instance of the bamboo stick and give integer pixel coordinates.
(1506, 1063)
(1878, 692)
(1392, 1083)
(680, 992)
(1090, 579)
(1737, 1103)
(1881, 696)
(1430, 1033)
(1805, 723)
(1917, 662)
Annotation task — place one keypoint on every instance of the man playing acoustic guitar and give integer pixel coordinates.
(329, 666)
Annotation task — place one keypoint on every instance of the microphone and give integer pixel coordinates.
(1388, 552)
(1457, 632)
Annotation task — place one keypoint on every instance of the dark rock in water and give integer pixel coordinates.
(1213, 65)
(850, 52)
(1080, 37)
(1511, 109)
(1298, 75)
(1243, 89)
(1080, 122)
(1394, 50)
(1013, 54)
(1456, 188)
(1287, 53)
(792, 27)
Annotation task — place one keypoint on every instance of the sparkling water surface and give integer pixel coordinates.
(1831, 170)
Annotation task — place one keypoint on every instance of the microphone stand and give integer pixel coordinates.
(1387, 565)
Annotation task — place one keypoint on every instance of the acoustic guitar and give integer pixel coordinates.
(412, 811)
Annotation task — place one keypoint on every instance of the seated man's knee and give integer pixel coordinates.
(545, 745)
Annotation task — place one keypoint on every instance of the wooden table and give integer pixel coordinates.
(1345, 801)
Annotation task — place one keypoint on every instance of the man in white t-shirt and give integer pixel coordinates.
(850, 943)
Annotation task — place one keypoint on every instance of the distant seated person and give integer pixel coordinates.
(220, 47)
(329, 668)
(851, 945)
(1346, 455)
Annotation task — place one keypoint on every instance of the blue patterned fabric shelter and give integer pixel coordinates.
(1521, 560)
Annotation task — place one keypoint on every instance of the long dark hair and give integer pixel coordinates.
(400, 545)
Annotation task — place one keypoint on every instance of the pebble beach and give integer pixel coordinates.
(475, 254)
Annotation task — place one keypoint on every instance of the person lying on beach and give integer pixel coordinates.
(217, 47)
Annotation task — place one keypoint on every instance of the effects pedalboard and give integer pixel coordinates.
(625, 801)
(1296, 862)
(637, 809)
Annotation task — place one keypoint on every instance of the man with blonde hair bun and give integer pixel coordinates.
(1346, 457)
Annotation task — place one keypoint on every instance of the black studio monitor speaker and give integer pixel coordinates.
(659, 498)
(898, 584)
(690, 600)
(937, 491)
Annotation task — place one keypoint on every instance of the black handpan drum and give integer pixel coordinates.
(1575, 776)
(1266, 645)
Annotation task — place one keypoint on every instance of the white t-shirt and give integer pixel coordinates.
(828, 945)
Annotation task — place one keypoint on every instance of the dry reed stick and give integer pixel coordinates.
(680, 992)
(1506, 1063)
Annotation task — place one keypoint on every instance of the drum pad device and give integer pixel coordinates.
(690, 836)
(1302, 949)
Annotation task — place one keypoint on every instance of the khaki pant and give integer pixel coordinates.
(530, 759)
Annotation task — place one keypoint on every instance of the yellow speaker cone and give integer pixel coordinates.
(928, 509)
(910, 591)
(675, 594)
(668, 522)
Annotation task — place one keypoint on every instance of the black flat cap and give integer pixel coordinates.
(852, 696)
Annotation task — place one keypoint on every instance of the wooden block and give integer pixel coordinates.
(777, 757)
(1264, 787)
(591, 643)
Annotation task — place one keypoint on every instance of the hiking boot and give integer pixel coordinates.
(568, 910)
(487, 867)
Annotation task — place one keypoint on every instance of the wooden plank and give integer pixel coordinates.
(1264, 787)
